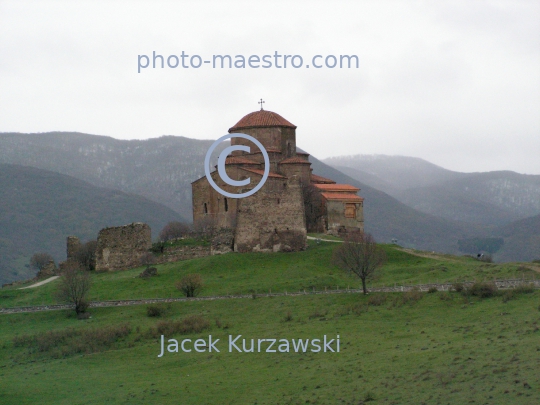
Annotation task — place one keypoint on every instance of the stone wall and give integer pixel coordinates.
(73, 244)
(272, 219)
(122, 247)
(178, 253)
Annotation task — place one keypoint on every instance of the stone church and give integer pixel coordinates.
(292, 202)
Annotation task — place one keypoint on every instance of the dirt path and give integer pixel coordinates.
(48, 280)
(324, 240)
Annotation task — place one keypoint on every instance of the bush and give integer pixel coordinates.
(536, 261)
(409, 297)
(288, 317)
(446, 296)
(482, 290)
(155, 310)
(432, 290)
(524, 289)
(71, 341)
(458, 287)
(486, 258)
(174, 230)
(319, 313)
(190, 324)
(377, 299)
(191, 285)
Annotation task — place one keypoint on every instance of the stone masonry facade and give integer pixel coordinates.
(122, 247)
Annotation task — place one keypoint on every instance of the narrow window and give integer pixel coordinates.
(278, 200)
(205, 208)
(226, 205)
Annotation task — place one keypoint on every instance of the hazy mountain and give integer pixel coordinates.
(160, 169)
(493, 198)
(396, 172)
(521, 240)
(387, 218)
(40, 208)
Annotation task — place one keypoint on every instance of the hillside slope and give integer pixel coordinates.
(39, 209)
(160, 169)
(387, 218)
(521, 240)
(492, 198)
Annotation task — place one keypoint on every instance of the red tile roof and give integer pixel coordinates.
(235, 160)
(269, 150)
(336, 187)
(261, 173)
(320, 179)
(295, 160)
(353, 198)
(302, 153)
(262, 118)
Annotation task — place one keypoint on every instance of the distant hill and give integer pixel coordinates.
(387, 218)
(40, 208)
(395, 173)
(160, 169)
(491, 198)
(521, 240)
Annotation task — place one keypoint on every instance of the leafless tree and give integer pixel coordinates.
(86, 255)
(174, 230)
(148, 259)
(206, 227)
(74, 286)
(40, 260)
(191, 285)
(360, 254)
(313, 207)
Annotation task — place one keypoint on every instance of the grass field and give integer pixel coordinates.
(261, 272)
(436, 348)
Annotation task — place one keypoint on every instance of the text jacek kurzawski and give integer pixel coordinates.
(236, 344)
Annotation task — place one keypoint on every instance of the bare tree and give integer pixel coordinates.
(206, 227)
(314, 208)
(74, 286)
(360, 254)
(174, 230)
(86, 255)
(148, 259)
(40, 260)
(191, 285)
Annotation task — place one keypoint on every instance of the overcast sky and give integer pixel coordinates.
(455, 83)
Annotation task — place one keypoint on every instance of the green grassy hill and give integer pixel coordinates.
(394, 348)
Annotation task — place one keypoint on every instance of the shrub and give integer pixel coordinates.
(508, 295)
(190, 324)
(319, 313)
(446, 296)
(536, 261)
(409, 297)
(524, 289)
(486, 258)
(71, 341)
(458, 287)
(174, 230)
(288, 317)
(482, 290)
(377, 299)
(432, 290)
(191, 285)
(155, 310)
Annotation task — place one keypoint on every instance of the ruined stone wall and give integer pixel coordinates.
(178, 253)
(272, 219)
(73, 244)
(122, 247)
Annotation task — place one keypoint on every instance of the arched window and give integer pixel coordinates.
(226, 205)
(205, 208)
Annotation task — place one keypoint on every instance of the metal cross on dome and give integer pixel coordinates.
(261, 103)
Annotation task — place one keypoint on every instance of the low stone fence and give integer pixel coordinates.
(501, 284)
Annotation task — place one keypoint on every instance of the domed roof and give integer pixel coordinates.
(262, 118)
